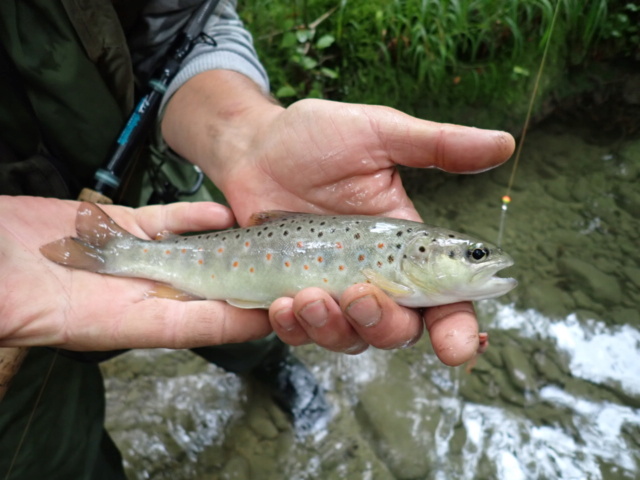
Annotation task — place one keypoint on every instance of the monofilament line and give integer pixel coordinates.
(506, 199)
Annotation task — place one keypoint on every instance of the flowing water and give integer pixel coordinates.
(557, 395)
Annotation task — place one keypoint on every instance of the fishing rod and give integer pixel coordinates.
(109, 177)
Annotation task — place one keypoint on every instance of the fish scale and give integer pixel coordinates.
(283, 252)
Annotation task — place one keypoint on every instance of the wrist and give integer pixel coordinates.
(214, 119)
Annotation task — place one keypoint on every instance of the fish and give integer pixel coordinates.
(281, 253)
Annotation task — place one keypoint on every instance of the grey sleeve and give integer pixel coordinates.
(233, 50)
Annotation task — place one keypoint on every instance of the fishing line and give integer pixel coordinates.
(506, 198)
(31, 415)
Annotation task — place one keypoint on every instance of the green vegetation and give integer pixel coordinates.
(430, 56)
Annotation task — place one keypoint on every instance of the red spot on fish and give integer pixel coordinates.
(167, 252)
(341, 267)
(320, 259)
(381, 245)
(306, 267)
(300, 244)
(200, 261)
(146, 250)
(246, 244)
(287, 264)
(213, 276)
(338, 245)
(184, 250)
(269, 256)
(361, 258)
(220, 250)
(252, 270)
(325, 280)
(235, 264)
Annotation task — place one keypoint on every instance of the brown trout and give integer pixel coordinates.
(281, 253)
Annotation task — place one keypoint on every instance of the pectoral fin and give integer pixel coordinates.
(234, 302)
(395, 290)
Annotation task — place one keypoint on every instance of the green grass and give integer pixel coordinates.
(418, 55)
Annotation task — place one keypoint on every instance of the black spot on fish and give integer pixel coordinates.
(285, 233)
(422, 249)
(281, 225)
(347, 229)
(312, 230)
(399, 234)
(452, 236)
(320, 234)
(310, 222)
(390, 258)
(409, 230)
(259, 233)
(323, 223)
(237, 235)
(333, 230)
(357, 236)
(433, 241)
(265, 228)
(404, 256)
(247, 230)
(270, 234)
(299, 228)
(452, 254)
(398, 246)
(223, 238)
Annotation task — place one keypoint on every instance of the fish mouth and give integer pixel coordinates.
(493, 284)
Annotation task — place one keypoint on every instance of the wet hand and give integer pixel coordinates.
(325, 157)
(42, 303)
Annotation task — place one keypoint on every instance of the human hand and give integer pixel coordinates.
(327, 157)
(42, 303)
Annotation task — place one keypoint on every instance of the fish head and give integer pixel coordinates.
(447, 267)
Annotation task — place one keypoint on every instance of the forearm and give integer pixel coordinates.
(213, 119)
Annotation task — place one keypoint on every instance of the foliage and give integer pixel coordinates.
(421, 54)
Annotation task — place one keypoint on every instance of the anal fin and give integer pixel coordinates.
(162, 290)
(234, 302)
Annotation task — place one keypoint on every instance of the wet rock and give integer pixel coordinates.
(628, 198)
(632, 274)
(625, 316)
(237, 468)
(600, 286)
(384, 412)
(518, 365)
(260, 422)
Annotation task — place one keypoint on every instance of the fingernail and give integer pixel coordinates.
(365, 311)
(285, 319)
(315, 313)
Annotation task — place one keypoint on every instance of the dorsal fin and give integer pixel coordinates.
(269, 216)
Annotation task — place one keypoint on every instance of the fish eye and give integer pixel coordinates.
(478, 254)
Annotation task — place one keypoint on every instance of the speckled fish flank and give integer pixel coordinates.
(282, 253)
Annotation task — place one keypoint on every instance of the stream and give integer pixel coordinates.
(556, 396)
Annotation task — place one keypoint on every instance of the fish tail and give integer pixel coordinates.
(96, 233)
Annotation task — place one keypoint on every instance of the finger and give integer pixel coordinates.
(380, 321)
(454, 332)
(320, 316)
(162, 323)
(180, 217)
(453, 148)
(285, 323)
